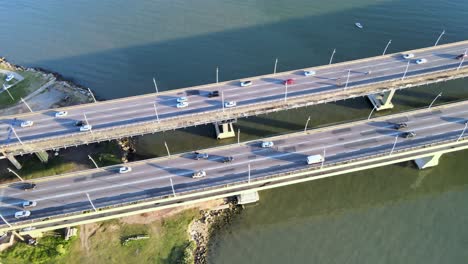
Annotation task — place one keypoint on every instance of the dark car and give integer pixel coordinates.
(288, 82)
(400, 126)
(79, 123)
(213, 94)
(201, 155)
(227, 159)
(461, 56)
(409, 134)
(29, 186)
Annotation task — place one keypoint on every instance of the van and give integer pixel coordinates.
(314, 159)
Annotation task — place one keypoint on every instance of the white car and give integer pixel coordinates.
(199, 174)
(22, 214)
(182, 99)
(86, 128)
(182, 105)
(61, 114)
(267, 144)
(309, 73)
(408, 56)
(28, 204)
(245, 83)
(27, 123)
(421, 61)
(230, 104)
(9, 77)
(125, 169)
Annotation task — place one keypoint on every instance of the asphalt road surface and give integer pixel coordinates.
(152, 178)
(134, 110)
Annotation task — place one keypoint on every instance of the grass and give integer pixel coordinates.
(167, 242)
(32, 81)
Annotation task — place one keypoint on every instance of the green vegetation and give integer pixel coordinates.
(49, 249)
(168, 242)
(32, 81)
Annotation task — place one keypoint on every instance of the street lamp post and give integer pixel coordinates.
(4, 220)
(331, 57)
(286, 92)
(172, 186)
(238, 136)
(22, 100)
(276, 63)
(92, 95)
(94, 162)
(323, 158)
(347, 79)
(249, 171)
(440, 36)
(406, 70)
(155, 85)
(217, 74)
(463, 132)
(307, 123)
(373, 109)
(222, 99)
(16, 174)
(6, 89)
(463, 59)
(156, 112)
(91, 202)
(386, 47)
(439, 95)
(394, 144)
(167, 149)
(16, 135)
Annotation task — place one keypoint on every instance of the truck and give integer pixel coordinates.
(314, 159)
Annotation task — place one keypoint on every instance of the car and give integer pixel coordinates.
(9, 77)
(246, 83)
(28, 204)
(79, 123)
(309, 73)
(86, 128)
(27, 123)
(400, 126)
(230, 104)
(182, 99)
(29, 186)
(267, 144)
(409, 134)
(201, 156)
(182, 105)
(227, 159)
(421, 61)
(408, 56)
(22, 214)
(461, 56)
(213, 94)
(288, 82)
(125, 169)
(61, 114)
(199, 174)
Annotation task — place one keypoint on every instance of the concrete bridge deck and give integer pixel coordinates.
(348, 147)
(158, 112)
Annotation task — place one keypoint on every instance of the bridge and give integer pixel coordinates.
(378, 77)
(104, 193)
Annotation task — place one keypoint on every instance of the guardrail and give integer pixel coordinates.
(229, 113)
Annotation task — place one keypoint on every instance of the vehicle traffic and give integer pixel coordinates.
(230, 104)
(86, 128)
(421, 61)
(182, 99)
(28, 204)
(61, 114)
(309, 73)
(409, 134)
(125, 169)
(182, 105)
(199, 174)
(288, 82)
(400, 126)
(22, 214)
(245, 83)
(227, 159)
(27, 123)
(213, 94)
(201, 156)
(314, 159)
(29, 186)
(408, 56)
(267, 144)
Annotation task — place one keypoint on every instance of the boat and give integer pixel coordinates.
(358, 25)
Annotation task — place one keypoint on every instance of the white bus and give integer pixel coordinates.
(314, 159)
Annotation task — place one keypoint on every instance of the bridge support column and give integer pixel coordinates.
(224, 130)
(14, 161)
(43, 156)
(248, 197)
(382, 101)
(428, 162)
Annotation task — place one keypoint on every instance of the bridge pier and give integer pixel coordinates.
(428, 162)
(43, 156)
(383, 100)
(224, 130)
(248, 197)
(14, 161)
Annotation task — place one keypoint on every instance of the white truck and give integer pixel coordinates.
(314, 159)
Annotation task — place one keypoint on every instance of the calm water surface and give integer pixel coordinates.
(395, 214)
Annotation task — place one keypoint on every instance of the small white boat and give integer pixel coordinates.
(358, 25)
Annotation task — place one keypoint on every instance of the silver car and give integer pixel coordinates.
(22, 214)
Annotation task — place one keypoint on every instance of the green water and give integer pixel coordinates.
(394, 214)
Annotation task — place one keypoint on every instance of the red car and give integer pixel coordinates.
(461, 56)
(289, 82)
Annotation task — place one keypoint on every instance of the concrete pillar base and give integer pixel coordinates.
(382, 101)
(248, 197)
(43, 156)
(14, 161)
(224, 130)
(428, 162)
